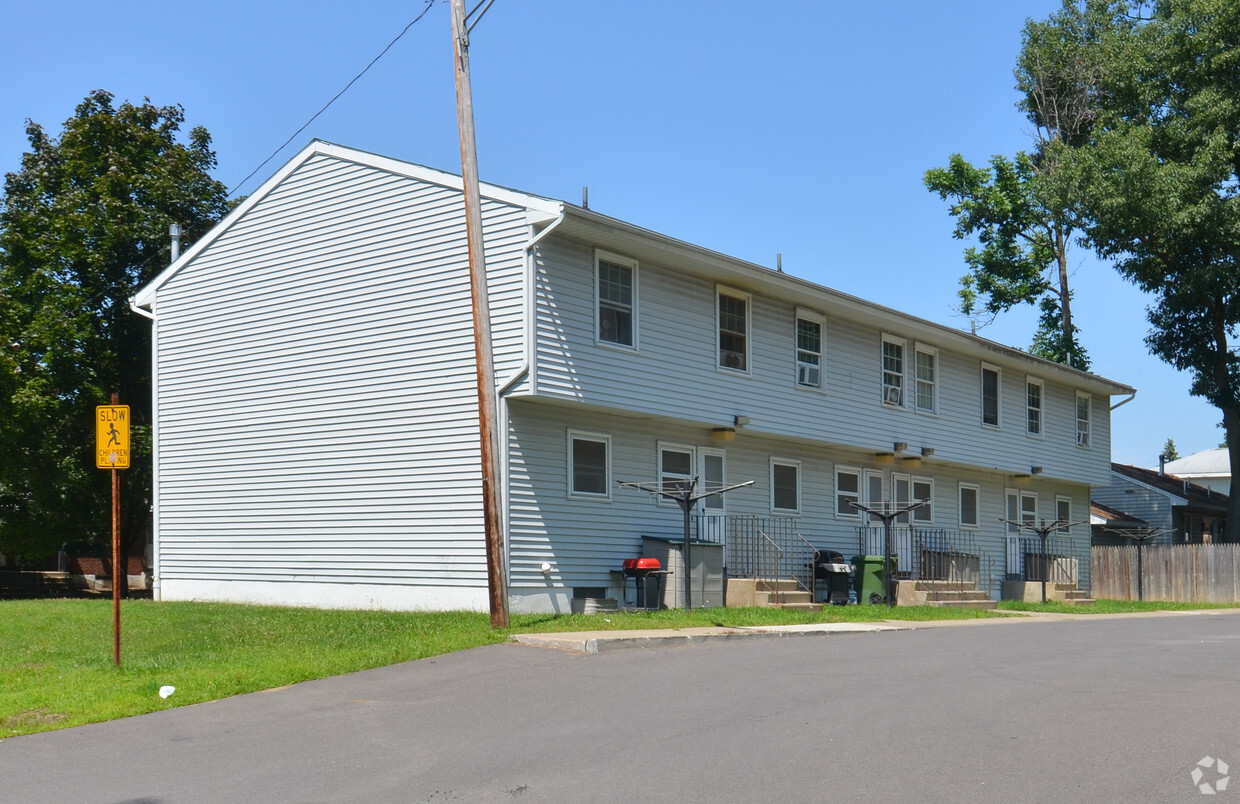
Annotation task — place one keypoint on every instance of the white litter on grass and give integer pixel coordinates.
(166, 690)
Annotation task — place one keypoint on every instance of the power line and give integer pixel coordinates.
(241, 184)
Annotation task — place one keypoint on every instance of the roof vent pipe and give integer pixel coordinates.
(585, 197)
(174, 231)
(779, 262)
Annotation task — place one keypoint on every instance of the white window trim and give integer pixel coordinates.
(1089, 422)
(981, 395)
(821, 321)
(1020, 495)
(866, 476)
(796, 465)
(884, 388)
(896, 479)
(723, 290)
(585, 435)
(1041, 410)
(977, 505)
(913, 498)
(922, 348)
(628, 262)
(1061, 498)
(703, 453)
(851, 470)
(662, 446)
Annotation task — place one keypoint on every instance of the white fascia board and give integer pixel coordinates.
(538, 209)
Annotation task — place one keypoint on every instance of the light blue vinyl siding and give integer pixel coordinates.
(585, 540)
(316, 391)
(674, 374)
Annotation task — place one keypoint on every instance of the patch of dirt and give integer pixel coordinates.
(22, 722)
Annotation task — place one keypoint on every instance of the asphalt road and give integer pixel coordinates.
(1083, 711)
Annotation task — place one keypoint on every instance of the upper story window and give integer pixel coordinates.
(893, 371)
(733, 330)
(1034, 391)
(589, 468)
(785, 486)
(616, 290)
(809, 350)
(927, 375)
(990, 395)
(1082, 419)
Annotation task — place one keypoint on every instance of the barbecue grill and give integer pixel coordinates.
(641, 570)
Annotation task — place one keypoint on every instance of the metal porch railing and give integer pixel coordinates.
(762, 548)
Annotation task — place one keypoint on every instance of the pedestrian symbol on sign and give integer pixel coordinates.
(112, 437)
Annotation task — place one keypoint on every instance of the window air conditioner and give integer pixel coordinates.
(808, 375)
(894, 395)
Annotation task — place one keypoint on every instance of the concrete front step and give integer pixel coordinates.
(783, 599)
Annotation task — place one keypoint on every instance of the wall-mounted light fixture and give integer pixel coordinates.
(1037, 470)
(912, 460)
(926, 452)
(900, 446)
(724, 433)
(884, 457)
(740, 421)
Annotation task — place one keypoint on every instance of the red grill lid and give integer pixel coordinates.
(641, 563)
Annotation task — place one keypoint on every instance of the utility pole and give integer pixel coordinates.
(497, 586)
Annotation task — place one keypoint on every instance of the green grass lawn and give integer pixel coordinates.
(1112, 607)
(56, 666)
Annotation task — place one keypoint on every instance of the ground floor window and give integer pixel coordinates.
(589, 465)
(785, 486)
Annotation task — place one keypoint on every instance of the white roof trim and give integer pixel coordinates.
(544, 208)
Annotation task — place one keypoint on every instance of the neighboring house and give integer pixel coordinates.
(316, 436)
(1105, 520)
(1165, 502)
(1211, 468)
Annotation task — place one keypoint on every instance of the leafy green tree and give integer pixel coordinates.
(83, 224)
(1169, 452)
(1025, 220)
(1159, 186)
(1023, 252)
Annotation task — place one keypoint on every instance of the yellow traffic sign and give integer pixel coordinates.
(112, 437)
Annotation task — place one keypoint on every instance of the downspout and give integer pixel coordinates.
(174, 231)
(1123, 402)
(507, 385)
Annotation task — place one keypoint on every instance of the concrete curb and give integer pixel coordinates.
(594, 642)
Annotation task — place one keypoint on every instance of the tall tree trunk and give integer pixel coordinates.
(1065, 298)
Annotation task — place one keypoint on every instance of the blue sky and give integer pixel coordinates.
(799, 127)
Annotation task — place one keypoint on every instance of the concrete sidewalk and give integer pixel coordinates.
(600, 641)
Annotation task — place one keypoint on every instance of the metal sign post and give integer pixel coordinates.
(112, 452)
(887, 512)
(683, 493)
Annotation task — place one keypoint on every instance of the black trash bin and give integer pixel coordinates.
(831, 570)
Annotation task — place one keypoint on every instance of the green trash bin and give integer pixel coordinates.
(868, 581)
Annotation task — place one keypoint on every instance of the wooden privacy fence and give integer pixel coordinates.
(1183, 573)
